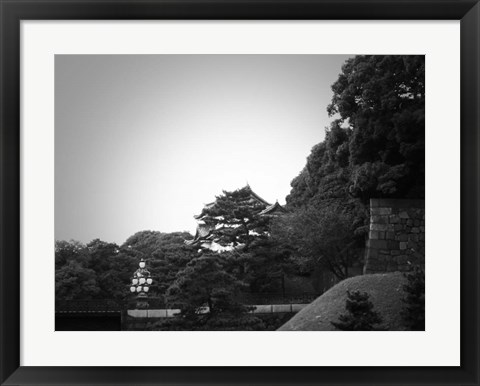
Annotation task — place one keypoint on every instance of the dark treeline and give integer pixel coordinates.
(373, 148)
(101, 270)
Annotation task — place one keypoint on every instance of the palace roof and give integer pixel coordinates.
(204, 231)
(253, 197)
(273, 210)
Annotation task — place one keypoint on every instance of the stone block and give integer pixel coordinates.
(402, 237)
(379, 227)
(380, 203)
(398, 227)
(406, 203)
(390, 235)
(395, 252)
(392, 244)
(379, 219)
(409, 222)
(373, 235)
(412, 245)
(393, 219)
(379, 244)
(402, 259)
(380, 211)
(403, 215)
(413, 237)
(415, 230)
(403, 245)
(419, 255)
(413, 213)
(416, 223)
(373, 262)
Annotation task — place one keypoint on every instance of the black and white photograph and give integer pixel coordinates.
(239, 192)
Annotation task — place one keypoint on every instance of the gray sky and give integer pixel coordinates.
(142, 142)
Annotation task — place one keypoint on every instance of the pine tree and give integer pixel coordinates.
(208, 297)
(234, 218)
(360, 315)
(413, 313)
(205, 283)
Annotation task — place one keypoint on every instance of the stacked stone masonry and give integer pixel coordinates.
(397, 235)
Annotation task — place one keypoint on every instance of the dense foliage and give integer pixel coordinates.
(322, 236)
(376, 145)
(374, 148)
(101, 270)
(205, 283)
(208, 297)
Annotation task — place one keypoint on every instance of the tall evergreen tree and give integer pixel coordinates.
(360, 315)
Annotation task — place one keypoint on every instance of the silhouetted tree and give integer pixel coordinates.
(360, 315)
(208, 298)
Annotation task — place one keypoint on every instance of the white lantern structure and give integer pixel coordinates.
(140, 283)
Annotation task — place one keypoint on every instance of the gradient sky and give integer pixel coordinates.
(142, 142)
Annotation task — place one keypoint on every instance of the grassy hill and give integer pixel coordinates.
(386, 294)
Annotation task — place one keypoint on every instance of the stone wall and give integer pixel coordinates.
(397, 235)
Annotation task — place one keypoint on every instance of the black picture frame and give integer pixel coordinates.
(13, 11)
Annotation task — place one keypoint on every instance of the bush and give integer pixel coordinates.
(360, 315)
(413, 313)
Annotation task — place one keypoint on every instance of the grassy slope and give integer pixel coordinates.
(385, 292)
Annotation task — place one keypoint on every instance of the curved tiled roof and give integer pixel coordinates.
(204, 231)
(255, 195)
(275, 208)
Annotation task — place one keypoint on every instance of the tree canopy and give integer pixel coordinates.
(234, 218)
(376, 145)
(322, 237)
(374, 148)
(381, 101)
(102, 270)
